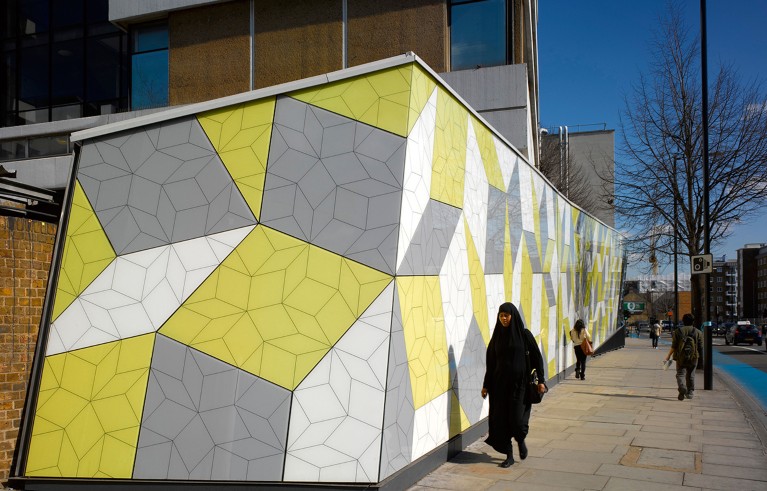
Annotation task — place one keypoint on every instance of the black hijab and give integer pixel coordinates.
(508, 344)
(514, 334)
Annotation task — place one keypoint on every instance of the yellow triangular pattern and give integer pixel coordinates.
(87, 252)
(275, 306)
(526, 295)
(537, 216)
(478, 289)
(381, 99)
(449, 159)
(458, 419)
(423, 325)
(489, 155)
(422, 86)
(241, 137)
(81, 410)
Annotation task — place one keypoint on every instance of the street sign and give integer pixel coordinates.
(633, 307)
(702, 264)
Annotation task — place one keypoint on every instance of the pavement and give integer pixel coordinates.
(623, 428)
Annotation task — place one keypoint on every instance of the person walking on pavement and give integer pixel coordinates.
(506, 378)
(577, 334)
(655, 334)
(686, 347)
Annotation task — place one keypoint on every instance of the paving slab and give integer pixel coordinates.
(624, 429)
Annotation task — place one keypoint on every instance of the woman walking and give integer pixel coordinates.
(506, 377)
(577, 334)
(655, 334)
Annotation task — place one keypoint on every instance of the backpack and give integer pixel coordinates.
(688, 354)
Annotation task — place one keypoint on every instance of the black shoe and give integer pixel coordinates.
(577, 374)
(508, 462)
(522, 449)
(688, 395)
(682, 393)
(583, 377)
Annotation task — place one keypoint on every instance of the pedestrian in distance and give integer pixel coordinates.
(655, 331)
(507, 376)
(686, 347)
(578, 333)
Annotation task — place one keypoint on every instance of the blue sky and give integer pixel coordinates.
(590, 51)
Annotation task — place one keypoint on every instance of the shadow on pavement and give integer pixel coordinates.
(633, 396)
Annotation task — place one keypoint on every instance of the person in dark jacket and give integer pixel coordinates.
(506, 377)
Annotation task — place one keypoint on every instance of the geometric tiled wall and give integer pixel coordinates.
(300, 286)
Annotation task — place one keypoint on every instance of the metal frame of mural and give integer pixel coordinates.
(298, 284)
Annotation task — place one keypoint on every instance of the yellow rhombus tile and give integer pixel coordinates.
(449, 159)
(489, 155)
(381, 99)
(275, 306)
(83, 405)
(87, 252)
(478, 289)
(241, 135)
(425, 340)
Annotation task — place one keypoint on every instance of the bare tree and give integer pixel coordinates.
(662, 166)
(562, 171)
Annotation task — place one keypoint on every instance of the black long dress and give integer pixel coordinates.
(506, 377)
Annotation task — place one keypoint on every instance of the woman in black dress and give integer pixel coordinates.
(506, 377)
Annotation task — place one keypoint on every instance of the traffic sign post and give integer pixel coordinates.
(702, 264)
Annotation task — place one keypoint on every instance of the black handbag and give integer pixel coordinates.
(532, 396)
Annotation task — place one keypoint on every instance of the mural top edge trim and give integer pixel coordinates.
(307, 83)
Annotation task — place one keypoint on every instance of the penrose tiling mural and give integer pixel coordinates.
(300, 286)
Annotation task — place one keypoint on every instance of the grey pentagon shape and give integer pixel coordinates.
(160, 184)
(204, 419)
(496, 231)
(470, 373)
(431, 240)
(334, 182)
(399, 409)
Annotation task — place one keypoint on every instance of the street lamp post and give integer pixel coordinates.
(708, 369)
(676, 231)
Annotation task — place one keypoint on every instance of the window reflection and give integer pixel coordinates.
(478, 34)
(149, 67)
(62, 59)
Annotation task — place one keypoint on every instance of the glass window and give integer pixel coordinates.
(478, 35)
(149, 67)
(105, 69)
(67, 73)
(33, 16)
(48, 145)
(67, 14)
(12, 150)
(34, 74)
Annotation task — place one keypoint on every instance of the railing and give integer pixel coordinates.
(614, 342)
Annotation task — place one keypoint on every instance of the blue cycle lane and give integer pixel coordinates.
(753, 380)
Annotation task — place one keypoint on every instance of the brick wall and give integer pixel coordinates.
(25, 256)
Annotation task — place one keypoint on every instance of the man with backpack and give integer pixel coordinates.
(686, 347)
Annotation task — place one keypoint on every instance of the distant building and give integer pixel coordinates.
(591, 154)
(748, 280)
(724, 290)
(761, 284)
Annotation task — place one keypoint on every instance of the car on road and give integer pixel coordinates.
(666, 326)
(716, 329)
(743, 332)
(643, 326)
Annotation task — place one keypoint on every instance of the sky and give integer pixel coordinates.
(591, 51)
